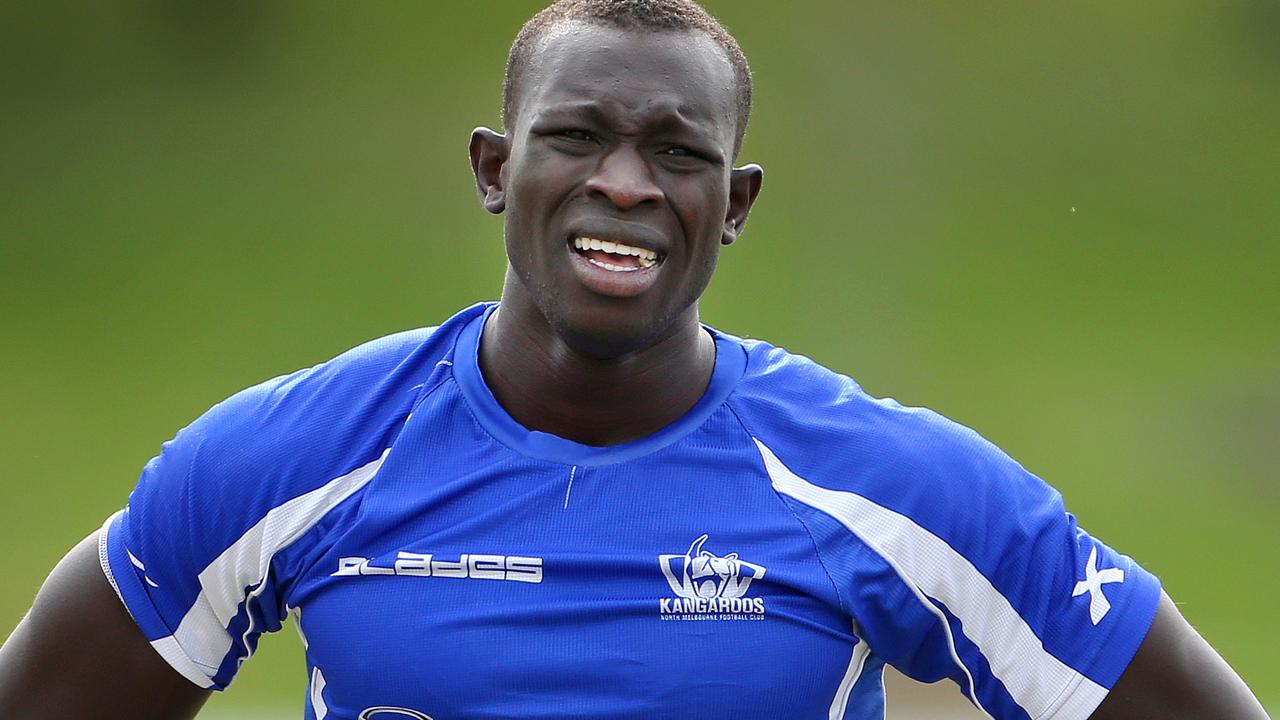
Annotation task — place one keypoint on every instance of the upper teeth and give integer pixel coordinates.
(647, 257)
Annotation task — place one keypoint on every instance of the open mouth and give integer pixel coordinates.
(615, 256)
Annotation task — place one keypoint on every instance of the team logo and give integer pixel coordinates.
(709, 587)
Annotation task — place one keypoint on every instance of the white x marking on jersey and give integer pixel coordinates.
(1092, 583)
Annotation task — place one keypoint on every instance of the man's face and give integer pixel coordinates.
(617, 182)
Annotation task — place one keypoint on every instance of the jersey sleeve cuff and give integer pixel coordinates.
(1133, 618)
(128, 579)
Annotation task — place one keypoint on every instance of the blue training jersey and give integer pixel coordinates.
(764, 556)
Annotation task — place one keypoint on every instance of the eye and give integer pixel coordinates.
(576, 134)
(683, 157)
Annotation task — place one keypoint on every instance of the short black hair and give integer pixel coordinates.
(630, 15)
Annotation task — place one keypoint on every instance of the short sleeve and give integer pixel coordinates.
(222, 520)
(155, 550)
(956, 562)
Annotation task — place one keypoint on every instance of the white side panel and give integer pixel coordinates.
(856, 662)
(318, 705)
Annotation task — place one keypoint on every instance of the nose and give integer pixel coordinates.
(625, 179)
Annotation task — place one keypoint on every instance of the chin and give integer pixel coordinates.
(607, 333)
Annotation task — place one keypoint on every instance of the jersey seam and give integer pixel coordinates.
(817, 552)
(1060, 699)
(210, 672)
(305, 571)
(426, 391)
(104, 558)
(357, 512)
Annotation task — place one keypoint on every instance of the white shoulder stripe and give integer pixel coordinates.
(202, 634)
(1041, 684)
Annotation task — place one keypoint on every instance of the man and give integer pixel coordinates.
(582, 502)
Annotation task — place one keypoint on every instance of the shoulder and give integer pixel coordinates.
(793, 401)
(825, 429)
(918, 519)
(248, 490)
(292, 433)
(328, 408)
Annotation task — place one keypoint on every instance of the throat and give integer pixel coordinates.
(593, 401)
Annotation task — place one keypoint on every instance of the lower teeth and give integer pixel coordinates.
(614, 268)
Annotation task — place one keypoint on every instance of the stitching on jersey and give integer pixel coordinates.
(475, 418)
(572, 472)
(426, 389)
(817, 552)
(104, 558)
(1061, 699)
(322, 527)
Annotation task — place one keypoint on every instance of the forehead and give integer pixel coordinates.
(633, 76)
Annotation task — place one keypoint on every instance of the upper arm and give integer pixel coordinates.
(79, 654)
(1175, 674)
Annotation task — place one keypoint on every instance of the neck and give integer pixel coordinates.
(546, 385)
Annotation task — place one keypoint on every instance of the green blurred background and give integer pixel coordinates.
(1058, 223)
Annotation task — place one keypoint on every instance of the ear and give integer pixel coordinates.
(744, 186)
(488, 155)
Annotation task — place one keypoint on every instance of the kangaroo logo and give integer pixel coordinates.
(701, 575)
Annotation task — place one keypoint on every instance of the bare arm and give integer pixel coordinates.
(79, 654)
(1175, 675)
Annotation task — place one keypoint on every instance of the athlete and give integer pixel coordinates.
(581, 502)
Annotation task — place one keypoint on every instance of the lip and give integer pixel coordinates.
(611, 283)
(630, 233)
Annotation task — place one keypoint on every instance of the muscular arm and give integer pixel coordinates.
(79, 654)
(1174, 675)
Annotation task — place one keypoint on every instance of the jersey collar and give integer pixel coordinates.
(731, 361)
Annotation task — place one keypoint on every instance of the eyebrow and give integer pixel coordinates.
(666, 120)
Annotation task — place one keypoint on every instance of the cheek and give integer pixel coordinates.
(538, 172)
(536, 189)
(704, 208)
